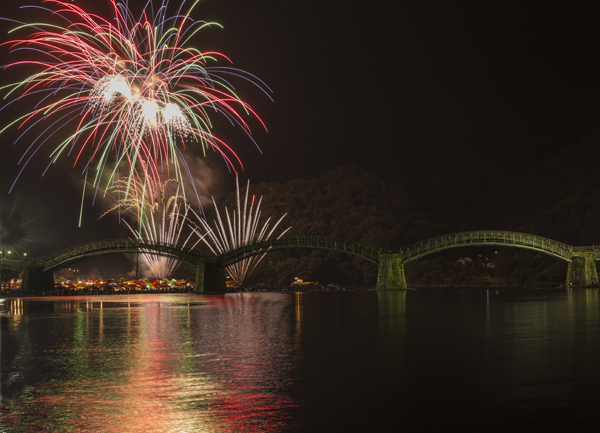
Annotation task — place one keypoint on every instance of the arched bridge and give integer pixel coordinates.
(67, 256)
(497, 238)
(391, 262)
(77, 253)
(38, 271)
(290, 242)
(416, 250)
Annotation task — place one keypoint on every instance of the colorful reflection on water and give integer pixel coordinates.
(165, 363)
(468, 360)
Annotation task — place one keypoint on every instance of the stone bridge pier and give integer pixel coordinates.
(35, 279)
(390, 272)
(582, 269)
(210, 277)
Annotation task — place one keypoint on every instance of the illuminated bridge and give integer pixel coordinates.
(582, 259)
(390, 276)
(38, 272)
(496, 238)
(292, 242)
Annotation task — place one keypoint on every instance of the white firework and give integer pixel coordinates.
(241, 228)
(160, 219)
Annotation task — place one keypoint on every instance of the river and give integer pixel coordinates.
(474, 360)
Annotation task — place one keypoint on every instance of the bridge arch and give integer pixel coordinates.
(306, 242)
(77, 253)
(484, 238)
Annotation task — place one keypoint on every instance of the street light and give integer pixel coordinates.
(16, 254)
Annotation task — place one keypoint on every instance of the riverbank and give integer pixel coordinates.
(87, 292)
(238, 289)
(187, 289)
(300, 288)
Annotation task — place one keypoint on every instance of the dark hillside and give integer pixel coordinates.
(557, 197)
(347, 202)
(549, 187)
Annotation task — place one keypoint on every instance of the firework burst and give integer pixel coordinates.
(161, 218)
(242, 227)
(134, 88)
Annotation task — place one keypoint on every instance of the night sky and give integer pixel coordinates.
(408, 89)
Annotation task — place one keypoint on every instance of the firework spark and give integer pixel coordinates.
(160, 221)
(134, 88)
(242, 228)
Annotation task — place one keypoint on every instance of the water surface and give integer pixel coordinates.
(431, 360)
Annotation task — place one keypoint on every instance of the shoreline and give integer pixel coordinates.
(246, 289)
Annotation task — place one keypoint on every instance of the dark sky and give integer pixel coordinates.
(402, 88)
(408, 86)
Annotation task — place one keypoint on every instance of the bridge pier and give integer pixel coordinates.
(390, 272)
(582, 269)
(35, 279)
(210, 277)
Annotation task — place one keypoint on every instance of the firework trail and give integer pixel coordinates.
(133, 89)
(160, 221)
(241, 228)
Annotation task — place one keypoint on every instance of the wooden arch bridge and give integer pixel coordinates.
(210, 276)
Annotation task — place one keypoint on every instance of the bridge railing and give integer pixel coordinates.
(589, 249)
(13, 264)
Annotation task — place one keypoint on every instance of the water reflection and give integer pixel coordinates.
(177, 363)
(478, 360)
